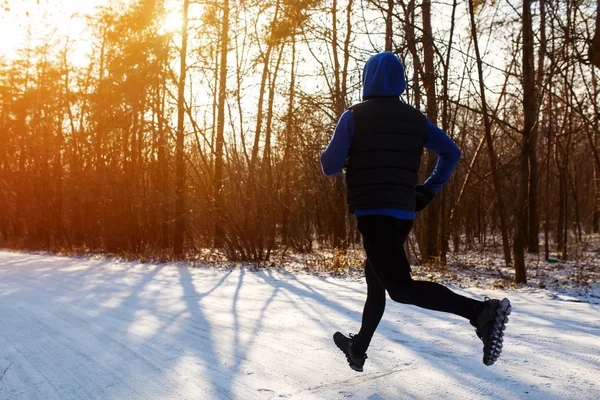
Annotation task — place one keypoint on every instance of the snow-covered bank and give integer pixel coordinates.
(74, 328)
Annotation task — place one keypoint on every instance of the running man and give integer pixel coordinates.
(379, 142)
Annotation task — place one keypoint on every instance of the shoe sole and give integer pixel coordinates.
(497, 334)
(337, 337)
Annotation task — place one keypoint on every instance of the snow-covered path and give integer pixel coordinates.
(73, 328)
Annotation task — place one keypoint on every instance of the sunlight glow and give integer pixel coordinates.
(29, 23)
(171, 22)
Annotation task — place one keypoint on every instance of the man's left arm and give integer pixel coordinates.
(334, 156)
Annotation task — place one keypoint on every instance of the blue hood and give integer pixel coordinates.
(383, 76)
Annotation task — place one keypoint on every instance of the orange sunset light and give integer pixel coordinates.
(30, 22)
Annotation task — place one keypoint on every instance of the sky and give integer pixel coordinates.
(57, 17)
(66, 18)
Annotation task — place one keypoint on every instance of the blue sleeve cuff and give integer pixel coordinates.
(430, 187)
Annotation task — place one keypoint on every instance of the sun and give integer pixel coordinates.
(171, 22)
(30, 22)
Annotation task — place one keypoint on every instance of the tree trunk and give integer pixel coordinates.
(268, 127)
(594, 50)
(409, 32)
(219, 163)
(445, 127)
(528, 150)
(550, 118)
(162, 172)
(521, 214)
(490, 142)
(75, 226)
(179, 146)
(596, 211)
(270, 222)
(389, 32)
(289, 136)
(261, 95)
(433, 210)
(560, 230)
(533, 242)
(339, 103)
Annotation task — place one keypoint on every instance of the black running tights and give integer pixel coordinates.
(387, 269)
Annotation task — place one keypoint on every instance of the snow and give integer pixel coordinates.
(85, 328)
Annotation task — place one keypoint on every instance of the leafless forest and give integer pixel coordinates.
(160, 142)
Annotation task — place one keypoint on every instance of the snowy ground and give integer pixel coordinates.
(81, 328)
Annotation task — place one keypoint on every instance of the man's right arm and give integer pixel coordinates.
(448, 156)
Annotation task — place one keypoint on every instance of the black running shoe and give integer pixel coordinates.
(490, 325)
(345, 344)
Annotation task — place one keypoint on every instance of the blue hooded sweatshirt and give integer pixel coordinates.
(383, 76)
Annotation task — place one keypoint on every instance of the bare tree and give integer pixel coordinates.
(179, 150)
(490, 141)
(528, 141)
(594, 49)
(432, 248)
(219, 163)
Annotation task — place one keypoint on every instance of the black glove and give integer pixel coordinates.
(424, 196)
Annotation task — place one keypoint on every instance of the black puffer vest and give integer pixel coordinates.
(385, 154)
